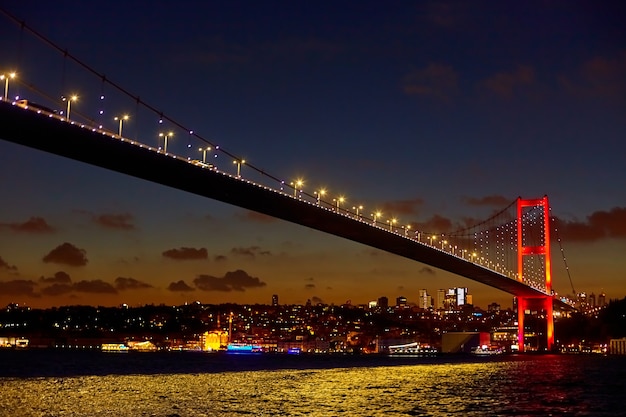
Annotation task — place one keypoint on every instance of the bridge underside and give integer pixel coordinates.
(57, 137)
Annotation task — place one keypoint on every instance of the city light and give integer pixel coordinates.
(165, 136)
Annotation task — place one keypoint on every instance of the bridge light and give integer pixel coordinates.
(375, 216)
(204, 150)
(6, 77)
(165, 136)
(391, 223)
(338, 200)
(297, 185)
(69, 101)
(320, 194)
(239, 163)
(121, 119)
(357, 208)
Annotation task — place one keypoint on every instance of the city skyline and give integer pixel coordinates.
(436, 113)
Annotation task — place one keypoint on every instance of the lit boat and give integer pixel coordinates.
(243, 348)
(484, 350)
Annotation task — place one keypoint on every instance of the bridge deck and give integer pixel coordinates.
(58, 137)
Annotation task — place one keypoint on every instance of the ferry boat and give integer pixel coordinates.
(485, 350)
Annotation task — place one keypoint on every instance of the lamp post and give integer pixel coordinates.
(69, 102)
(431, 238)
(443, 242)
(239, 163)
(320, 194)
(391, 223)
(204, 151)
(357, 208)
(338, 200)
(297, 184)
(121, 120)
(375, 216)
(165, 136)
(406, 230)
(6, 77)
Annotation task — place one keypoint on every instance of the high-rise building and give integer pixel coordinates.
(383, 302)
(275, 299)
(401, 301)
(592, 300)
(423, 300)
(441, 299)
(601, 299)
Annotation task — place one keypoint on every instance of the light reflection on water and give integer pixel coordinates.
(538, 386)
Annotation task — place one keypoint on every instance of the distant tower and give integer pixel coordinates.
(275, 300)
(601, 299)
(441, 299)
(401, 301)
(383, 302)
(423, 299)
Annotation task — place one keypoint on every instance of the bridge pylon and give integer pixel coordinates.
(527, 248)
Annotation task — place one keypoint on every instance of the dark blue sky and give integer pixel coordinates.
(421, 107)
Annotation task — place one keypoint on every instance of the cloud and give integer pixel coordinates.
(67, 254)
(251, 251)
(57, 289)
(220, 258)
(598, 225)
(436, 224)
(427, 270)
(436, 80)
(95, 286)
(309, 286)
(179, 286)
(403, 206)
(185, 254)
(32, 225)
(122, 284)
(508, 84)
(115, 221)
(19, 287)
(256, 217)
(5, 265)
(58, 278)
(598, 77)
(490, 200)
(232, 281)
(316, 300)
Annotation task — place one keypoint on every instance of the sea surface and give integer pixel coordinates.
(87, 383)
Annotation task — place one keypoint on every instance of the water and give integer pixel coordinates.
(49, 383)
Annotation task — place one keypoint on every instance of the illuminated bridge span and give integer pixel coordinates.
(509, 251)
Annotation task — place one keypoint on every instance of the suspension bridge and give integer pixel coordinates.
(509, 251)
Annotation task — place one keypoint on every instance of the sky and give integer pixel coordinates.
(434, 112)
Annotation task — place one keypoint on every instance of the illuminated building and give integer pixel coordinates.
(275, 299)
(424, 299)
(401, 301)
(213, 341)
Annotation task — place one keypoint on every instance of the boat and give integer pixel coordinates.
(485, 350)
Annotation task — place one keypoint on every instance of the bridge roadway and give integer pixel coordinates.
(58, 137)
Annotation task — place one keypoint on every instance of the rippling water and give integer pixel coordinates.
(185, 384)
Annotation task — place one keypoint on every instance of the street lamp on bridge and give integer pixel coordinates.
(69, 102)
(338, 200)
(297, 185)
(204, 151)
(6, 77)
(239, 163)
(357, 208)
(165, 136)
(375, 216)
(120, 119)
(391, 223)
(320, 194)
